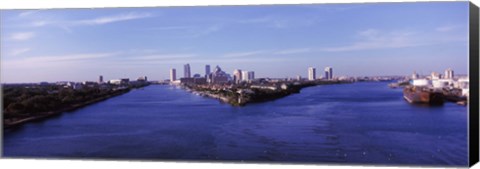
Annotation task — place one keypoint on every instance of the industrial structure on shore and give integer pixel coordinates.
(436, 88)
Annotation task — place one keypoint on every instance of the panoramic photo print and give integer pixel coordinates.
(366, 83)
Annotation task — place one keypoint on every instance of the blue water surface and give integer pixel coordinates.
(360, 123)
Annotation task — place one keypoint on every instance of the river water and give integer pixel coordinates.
(360, 123)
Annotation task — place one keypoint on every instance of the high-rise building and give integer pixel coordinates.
(237, 76)
(244, 75)
(251, 75)
(449, 74)
(299, 78)
(248, 75)
(328, 73)
(207, 70)
(186, 71)
(219, 76)
(311, 73)
(100, 79)
(173, 75)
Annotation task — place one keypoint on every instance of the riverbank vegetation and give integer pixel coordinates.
(28, 102)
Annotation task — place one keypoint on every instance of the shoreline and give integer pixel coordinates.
(69, 108)
(240, 98)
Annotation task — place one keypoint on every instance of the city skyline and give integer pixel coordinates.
(274, 41)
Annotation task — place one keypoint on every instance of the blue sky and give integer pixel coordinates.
(274, 41)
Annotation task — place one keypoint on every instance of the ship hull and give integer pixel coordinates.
(419, 96)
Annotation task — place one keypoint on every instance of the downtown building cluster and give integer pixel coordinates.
(437, 81)
(217, 76)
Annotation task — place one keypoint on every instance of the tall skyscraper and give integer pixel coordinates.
(173, 75)
(248, 75)
(328, 73)
(186, 71)
(449, 74)
(100, 79)
(237, 76)
(311, 73)
(251, 75)
(207, 70)
(244, 75)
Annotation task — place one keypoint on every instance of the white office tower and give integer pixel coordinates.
(186, 71)
(328, 73)
(311, 73)
(449, 74)
(237, 76)
(173, 75)
(244, 75)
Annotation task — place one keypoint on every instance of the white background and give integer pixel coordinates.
(87, 164)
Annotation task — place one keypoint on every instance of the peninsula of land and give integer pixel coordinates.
(246, 93)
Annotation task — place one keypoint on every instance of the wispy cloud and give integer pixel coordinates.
(375, 39)
(162, 57)
(169, 28)
(264, 19)
(40, 23)
(70, 57)
(67, 25)
(207, 31)
(244, 54)
(293, 51)
(16, 52)
(112, 19)
(58, 62)
(280, 22)
(27, 13)
(22, 36)
(446, 28)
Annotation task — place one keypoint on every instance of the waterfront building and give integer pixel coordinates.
(420, 82)
(186, 71)
(328, 73)
(142, 78)
(237, 76)
(200, 80)
(448, 74)
(311, 73)
(196, 75)
(124, 80)
(218, 76)
(435, 76)
(173, 75)
(119, 81)
(100, 79)
(207, 70)
(299, 78)
(187, 80)
(415, 75)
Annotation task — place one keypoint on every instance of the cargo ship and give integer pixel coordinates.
(422, 95)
